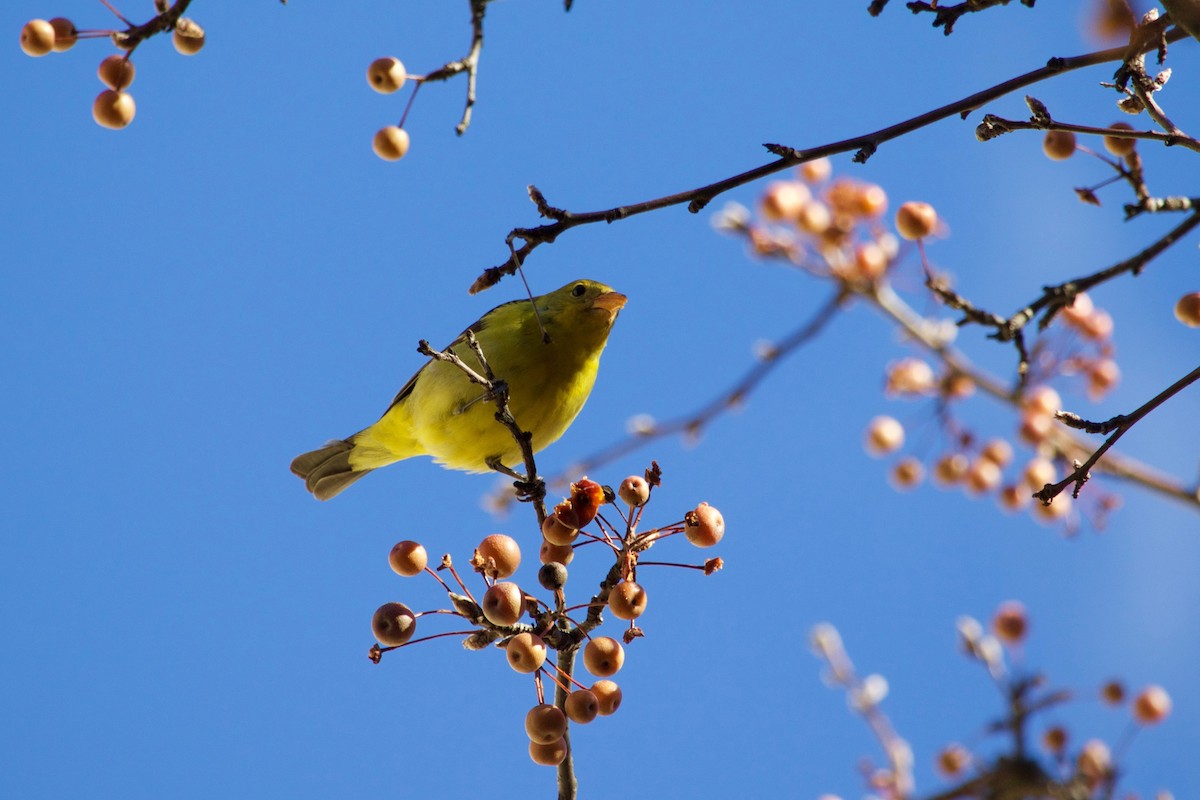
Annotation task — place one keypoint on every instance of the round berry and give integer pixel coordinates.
(545, 723)
(997, 451)
(548, 755)
(393, 624)
(916, 220)
(950, 469)
(627, 600)
(1058, 145)
(582, 706)
(1039, 472)
(37, 37)
(1055, 739)
(552, 576)
(953, 759)
(1010, 624)
(113, 109)
(503, 603)
(907, 473)
(65, 34)
(1095, 760)
(408, 558)
(782, 200)
(555, 531)
(704, 526)
(1113, 693)
(884, 435)
(1119, 145)
(503, 551)
(548, 553)
(982, 476)
(814, 218)
(1152, 705)
(1187, 310)
(526, 652)
(603, 656)
(391, 143)
(608, 696)
(816, 171)
(910, 376)
(1042, 400)
(870, 262)
(1057, 510)
(386, 75)
(1014, 497)
(188, 37)
(634, 490)
(116, 72)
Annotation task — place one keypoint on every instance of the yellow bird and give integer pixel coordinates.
(440, 413)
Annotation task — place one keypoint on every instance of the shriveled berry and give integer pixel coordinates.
(704, 526)
(386, 75)
(503, 603)
(65, 34)
(582, 706)
(408, 558)
(603, 656)
(552, 576)
(548, 553)
(1058, 145)
(188, 37)
(548, 755)
(1187, 310)
(113, 109)
(627, 600)
(608, 696)
(390, 143)
(916, 220)
(545, 723)
(37, 37)
(634, 490)
(393, 624)
(116, 72)
(503, 550)
(1152, 705)
(583, 504)
(555, 531)
(526, 652)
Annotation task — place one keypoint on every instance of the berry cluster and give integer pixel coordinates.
(114, 107)
(1090, 771)
(497, 616)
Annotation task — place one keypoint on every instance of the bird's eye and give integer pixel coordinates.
(579, 290)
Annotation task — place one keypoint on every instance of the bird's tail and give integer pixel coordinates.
(327, 470)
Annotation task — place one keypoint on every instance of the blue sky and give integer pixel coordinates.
(236, 278)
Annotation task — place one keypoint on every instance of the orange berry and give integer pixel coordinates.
(1079, 310)
(814, 218)
(907, 473)
(1117, 145)
(526, 652)
(393, 624)
(65, 34)
(953, 759)
(116, 72)
(871, 200)
(581, 507)
(634, 490)
(1113, 693)
(997, 451)
(1042, 400)
(1039, 472)
(958, 386)
(545, 723)
(916, 220)
(982, 476)
(1055, 739)
(1010, 623)
(1098, 326)
(391, 143)
(408, 558)
(1057, 510)
(502, 550)
(782, 200)
(704, 526)
(1102, 377)
(1152, 705)
(884, 435)
(627, 600)
(556, 532)
(1014, 497)
(910, 376)
(1035, 427)
(1095, 760)
(113, 109)
(582, 706)
(563, 554)
(870, 262)
(608, 696)
(37, 37)
(603, 656)
(548, 755)
(386, 75)
(816, 171)
(503, 603)
(1187, 310)
(950, 469)
(188, 37)
(1058, 145)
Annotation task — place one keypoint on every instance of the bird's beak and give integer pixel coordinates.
(612, 302)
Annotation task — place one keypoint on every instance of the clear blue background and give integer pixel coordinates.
(235, 278)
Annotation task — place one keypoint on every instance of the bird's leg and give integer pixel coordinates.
(527, 491)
